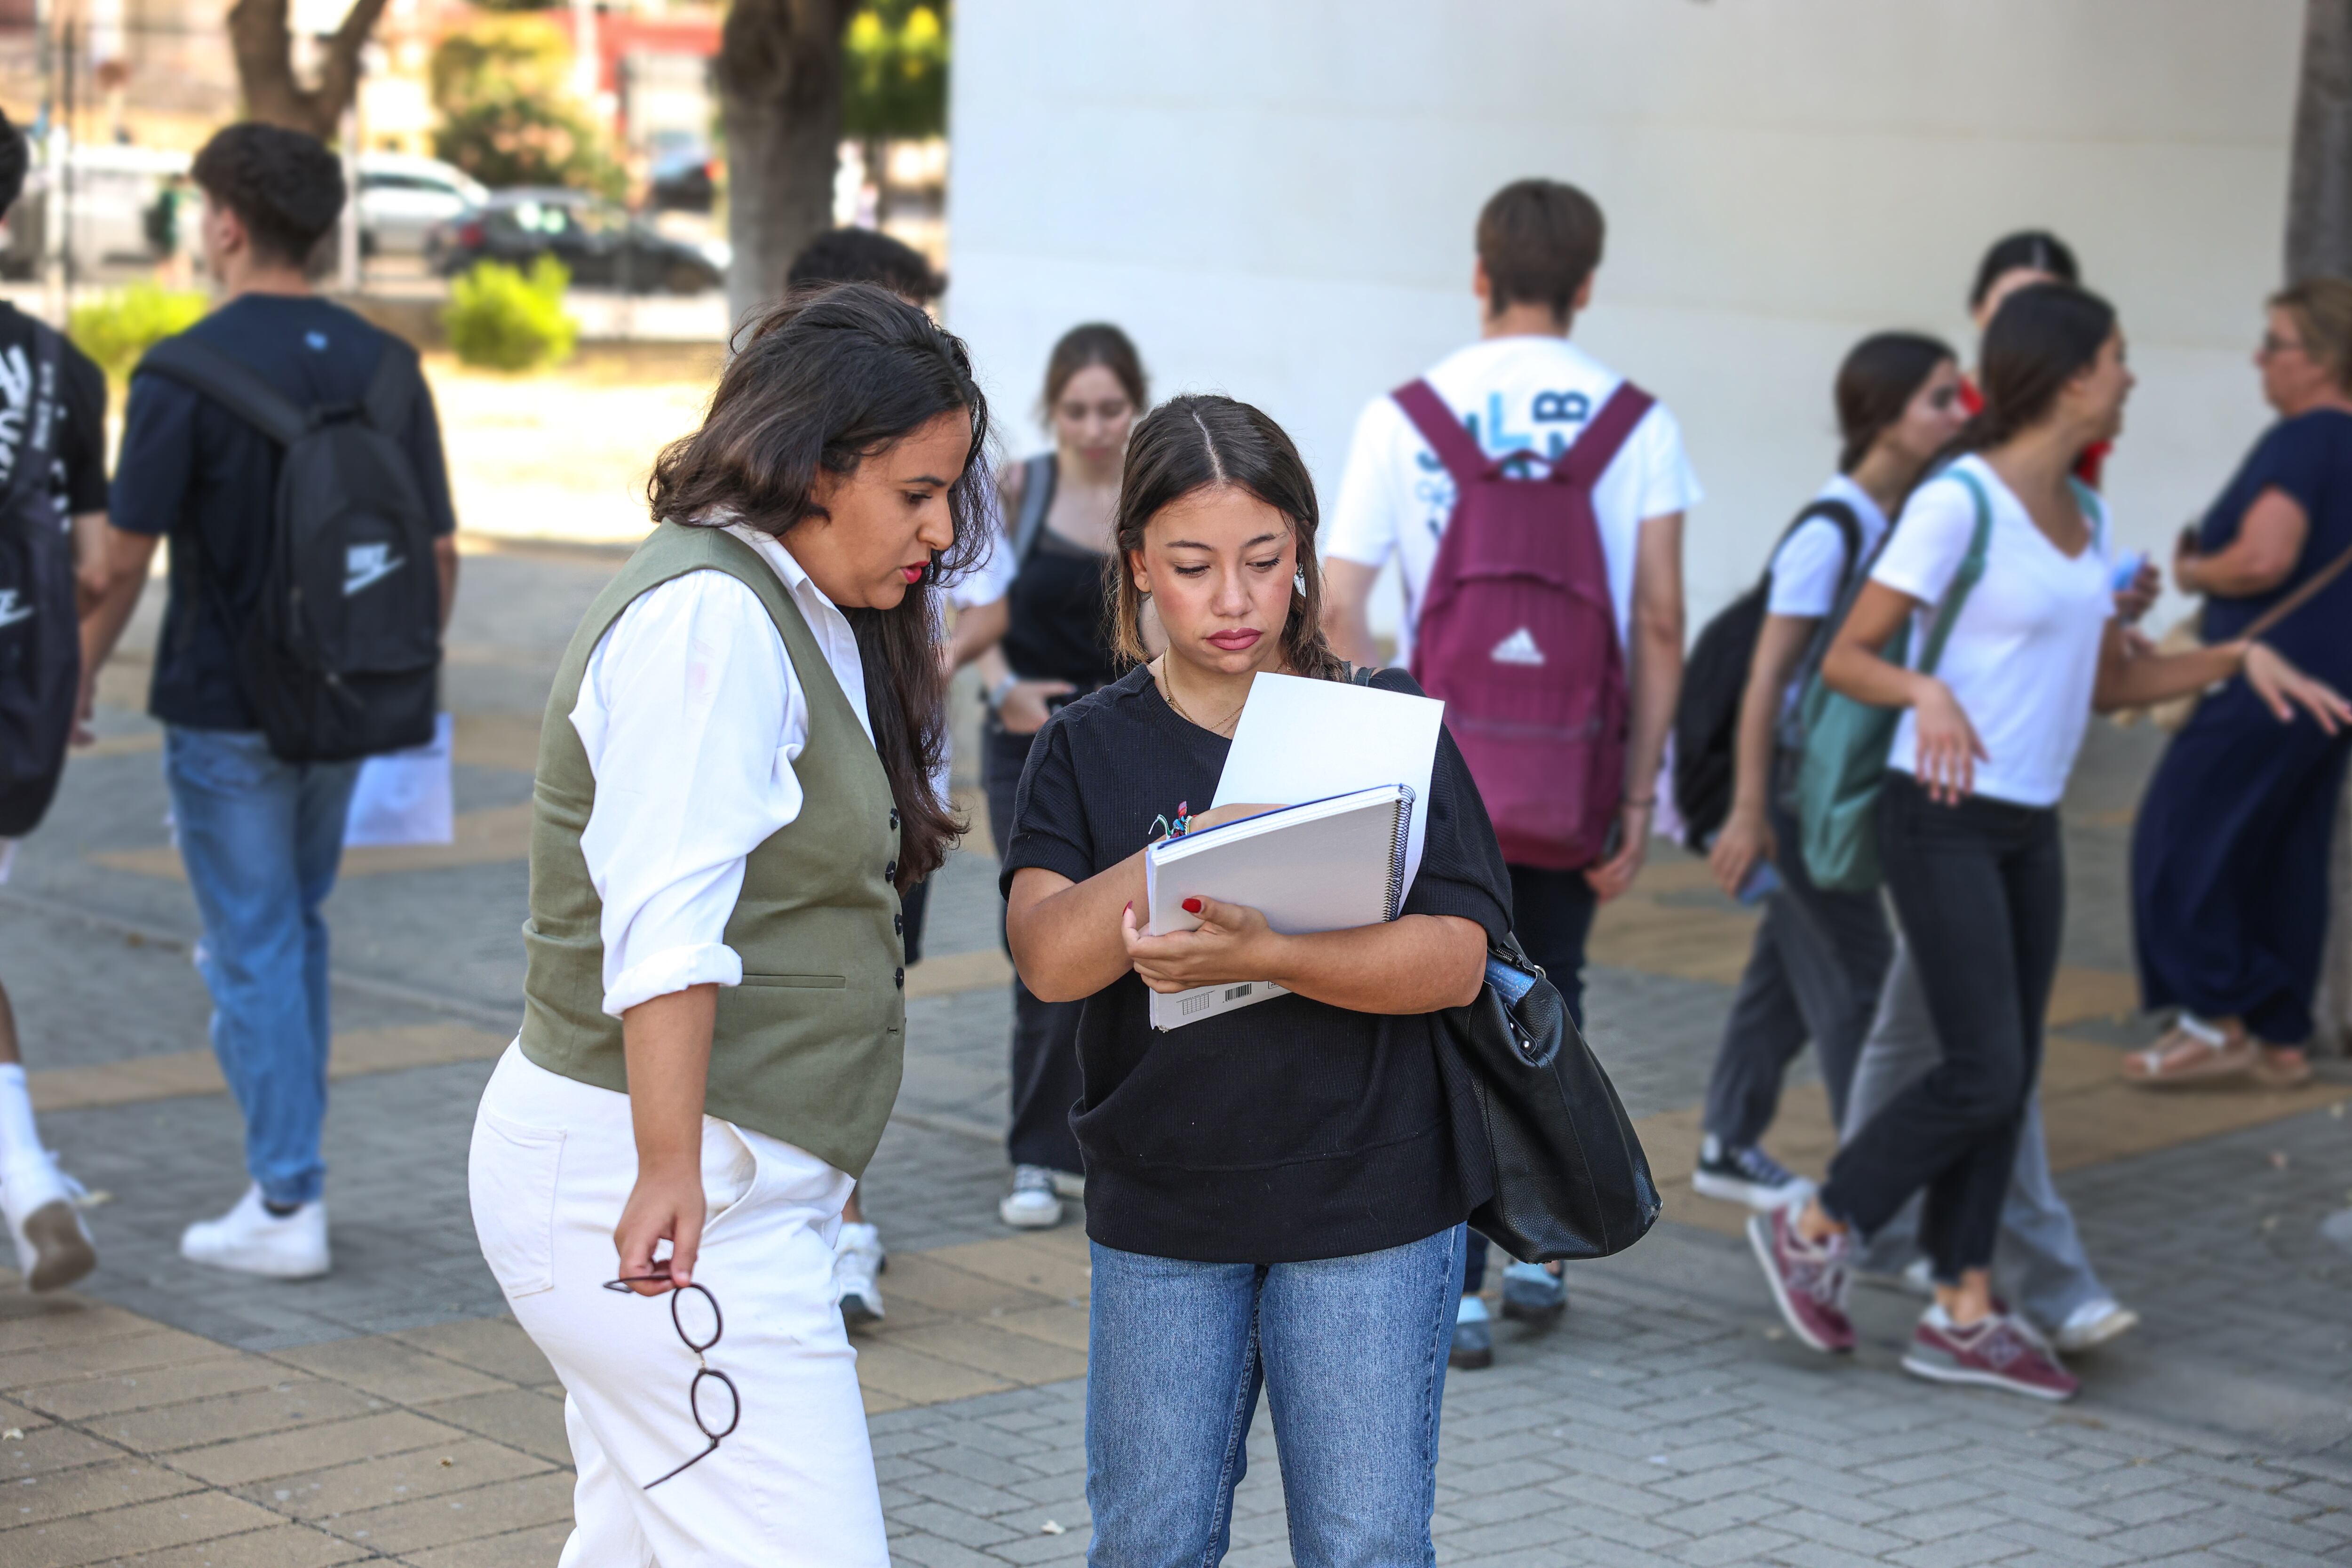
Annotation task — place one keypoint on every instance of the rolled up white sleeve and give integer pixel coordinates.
(692, 717)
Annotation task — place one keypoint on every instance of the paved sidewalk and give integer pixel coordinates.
(175, 1415)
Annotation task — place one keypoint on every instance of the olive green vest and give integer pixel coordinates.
(810, 1046)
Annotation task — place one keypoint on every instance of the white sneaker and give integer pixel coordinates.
(857, 1257)
(2092, 1324)
(252, 1240)
(1031, 1204)
(53, 1246)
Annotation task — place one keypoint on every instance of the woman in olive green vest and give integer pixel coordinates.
(733, 787)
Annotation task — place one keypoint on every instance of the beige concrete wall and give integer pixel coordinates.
(1275, 196)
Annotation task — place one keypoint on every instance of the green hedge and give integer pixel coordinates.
(501, 318)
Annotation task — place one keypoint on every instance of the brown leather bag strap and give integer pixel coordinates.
(2296, 600)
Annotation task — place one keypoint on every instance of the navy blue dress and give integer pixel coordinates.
(2230, 858)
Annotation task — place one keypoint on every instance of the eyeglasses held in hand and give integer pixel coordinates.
(704, 1370)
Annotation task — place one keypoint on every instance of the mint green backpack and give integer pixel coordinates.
(1842, 744)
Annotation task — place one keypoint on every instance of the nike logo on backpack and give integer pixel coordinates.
(365, 565)
(11, 610)
(1519, 648)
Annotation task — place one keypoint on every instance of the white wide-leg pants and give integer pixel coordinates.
(553, 1163)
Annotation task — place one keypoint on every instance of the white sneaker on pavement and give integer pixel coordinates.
(252, 1240)
(2092, 1324)
(53, 1246)
(857, 1257)
(1032, 1204)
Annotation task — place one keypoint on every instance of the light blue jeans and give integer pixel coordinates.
(261, 840)
(1351, 1352)
(2039, 1263)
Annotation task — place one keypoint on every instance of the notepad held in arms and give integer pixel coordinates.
(1327, 865)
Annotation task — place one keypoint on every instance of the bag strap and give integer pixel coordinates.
(230, 382)
(1971, 567)
(1596, 444)
(1455, 446)
(1849, 528)
(1038, 477)
(2302, 594)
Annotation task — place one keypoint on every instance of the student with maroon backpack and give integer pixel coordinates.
(1533, 498)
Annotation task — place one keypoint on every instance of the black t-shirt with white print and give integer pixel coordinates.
(1283, 1131)
(77, 446)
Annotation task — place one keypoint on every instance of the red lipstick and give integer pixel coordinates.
(913, 575)
(1235, 640)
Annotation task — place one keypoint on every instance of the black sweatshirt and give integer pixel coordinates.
(1286, 1131)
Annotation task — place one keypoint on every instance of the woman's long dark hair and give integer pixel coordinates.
(825, 379)
(1199, 443)
(1875, 384)
(1093, 344)
(2043, 337)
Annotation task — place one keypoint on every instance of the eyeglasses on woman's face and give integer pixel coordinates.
(711, 1394)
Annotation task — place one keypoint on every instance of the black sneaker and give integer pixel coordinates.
(1748, 1176)
(1533, 1294)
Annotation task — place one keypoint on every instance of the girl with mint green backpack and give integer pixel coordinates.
(1998, 572)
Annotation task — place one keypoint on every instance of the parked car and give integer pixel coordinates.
(603, 246)
(401, 196)
(111, 196)
(682, 171)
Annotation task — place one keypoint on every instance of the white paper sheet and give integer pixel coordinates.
(1304, 739)
(402, 797)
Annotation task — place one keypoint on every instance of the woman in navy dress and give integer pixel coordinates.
(2229, 858)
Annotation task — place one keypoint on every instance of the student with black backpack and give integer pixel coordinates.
(290, 452)
(1819, 954)
(52, 561)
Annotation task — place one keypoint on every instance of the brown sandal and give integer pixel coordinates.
(2183, 1058)
(2282, 1070)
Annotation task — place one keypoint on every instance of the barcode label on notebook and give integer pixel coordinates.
(1195, 1004)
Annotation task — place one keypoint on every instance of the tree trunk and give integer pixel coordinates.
(780, 97)
(264, 46)
(2319, 187)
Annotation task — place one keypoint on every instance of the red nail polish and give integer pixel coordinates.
(1191, 906)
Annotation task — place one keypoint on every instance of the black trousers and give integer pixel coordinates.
(1045, 1081)
(1814, 974)
(1551, 914)
(1979, 890)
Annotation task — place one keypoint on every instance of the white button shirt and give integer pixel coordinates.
(692, 716)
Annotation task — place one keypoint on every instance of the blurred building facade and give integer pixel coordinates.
(1276, 200)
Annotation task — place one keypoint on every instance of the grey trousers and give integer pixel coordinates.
(2040, 1265)
(1813, 975)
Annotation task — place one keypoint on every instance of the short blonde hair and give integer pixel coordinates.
(2322, 309)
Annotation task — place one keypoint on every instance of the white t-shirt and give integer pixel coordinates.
(1516, 395)
(2024, 652)
(1811, 565)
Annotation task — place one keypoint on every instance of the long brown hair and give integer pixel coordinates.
(1093, 344)
(827, 379)
(2043, 337)
(1874, 387)
(1199, 443)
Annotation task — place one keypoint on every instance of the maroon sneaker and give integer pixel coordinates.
(1996, 1352)
(1808, 1278)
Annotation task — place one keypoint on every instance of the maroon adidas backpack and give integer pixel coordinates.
(1518, 634)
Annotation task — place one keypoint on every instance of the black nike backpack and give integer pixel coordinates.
(340, 656)
(41, 637)
(1715, 679)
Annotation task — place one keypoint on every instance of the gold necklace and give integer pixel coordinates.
(1168, 691)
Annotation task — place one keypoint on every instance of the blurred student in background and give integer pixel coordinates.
(1528, 397)
(1041, 645)
(1819, 955)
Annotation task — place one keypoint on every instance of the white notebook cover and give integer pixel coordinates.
(1327, 865)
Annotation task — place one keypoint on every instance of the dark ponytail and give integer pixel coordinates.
(827, 379)
(2043, 337)
(1877, 383)
(1199, 443)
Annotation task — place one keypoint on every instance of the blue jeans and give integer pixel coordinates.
(1351, 1352)
(261, 840)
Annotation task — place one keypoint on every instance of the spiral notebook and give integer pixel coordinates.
(1327, 865)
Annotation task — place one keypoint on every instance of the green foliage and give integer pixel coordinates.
(502, 319)
(119, 326)
(894, 70)
(508, 116)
